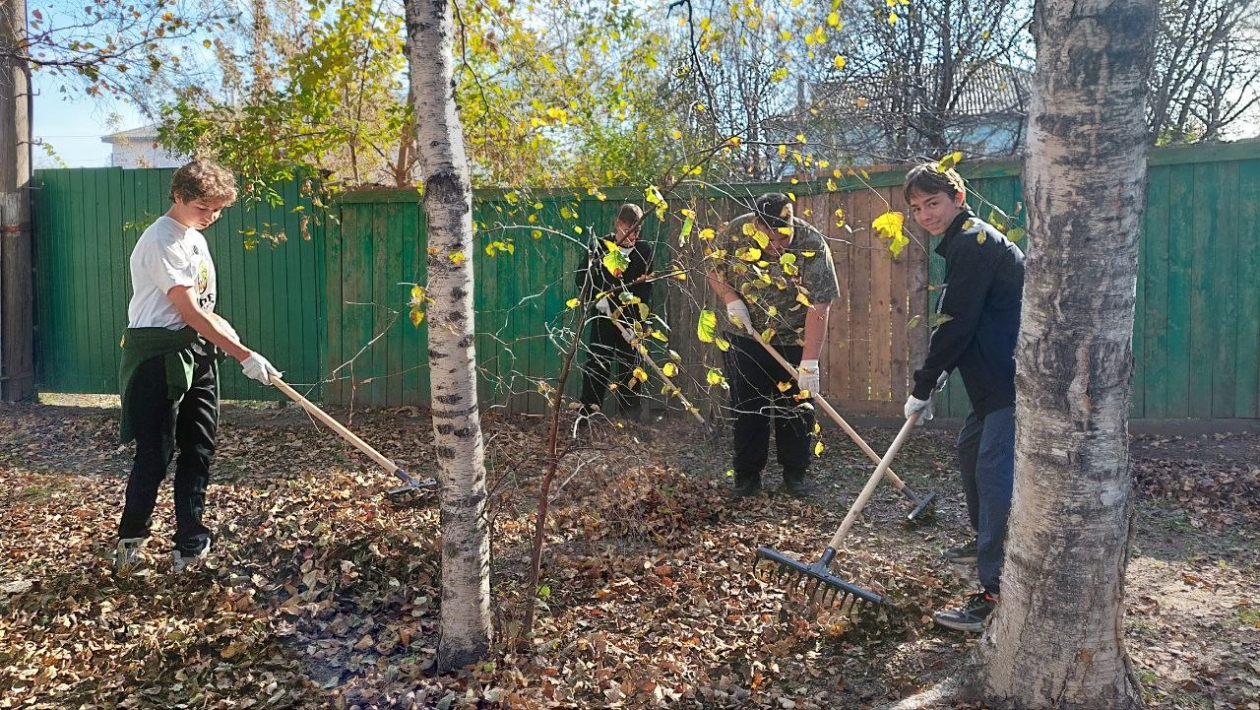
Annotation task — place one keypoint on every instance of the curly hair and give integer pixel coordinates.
(929, 179)
(203, 180)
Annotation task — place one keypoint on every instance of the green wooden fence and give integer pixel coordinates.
(86, 222)
(331, 310)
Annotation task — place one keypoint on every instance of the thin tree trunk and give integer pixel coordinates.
(1058, 636)
(465, 627)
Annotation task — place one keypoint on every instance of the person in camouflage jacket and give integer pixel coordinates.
(774, 274)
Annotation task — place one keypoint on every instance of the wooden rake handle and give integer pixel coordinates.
(629, 338)
(336, 426)
(823, 405)
(872, 483)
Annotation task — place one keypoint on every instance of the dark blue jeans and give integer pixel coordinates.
(986, 459)
(161, 425)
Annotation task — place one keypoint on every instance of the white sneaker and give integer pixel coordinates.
(182, 562)
(127, 554)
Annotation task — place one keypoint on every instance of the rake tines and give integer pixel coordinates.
(817, 584)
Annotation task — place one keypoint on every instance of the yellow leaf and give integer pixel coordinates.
(784, 386)
(457, 257)
(707, 234)
(706, 327)
(802, 299)
(722, 344)
(615, 262)
(670, 369)
(818, 449)
(639, 375)
(417, 317)
(714, 376)
(572, 303)
(748, 253)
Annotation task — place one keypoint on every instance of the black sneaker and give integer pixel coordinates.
(971, 616)
(965, 552)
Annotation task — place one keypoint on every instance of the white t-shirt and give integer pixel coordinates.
(168, 255)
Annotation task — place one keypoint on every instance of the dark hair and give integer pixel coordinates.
(630, 214)
(773, 209)
(203, 180)
(929, 179)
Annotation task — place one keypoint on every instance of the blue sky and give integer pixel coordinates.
(73, 123)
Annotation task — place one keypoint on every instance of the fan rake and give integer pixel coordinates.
(923, 505)
(408, 493)
(815, 581)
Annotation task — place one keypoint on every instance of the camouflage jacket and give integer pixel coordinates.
(778, 290)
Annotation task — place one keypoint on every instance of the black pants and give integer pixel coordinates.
(756, 400)
(610, 360)
(160, 426)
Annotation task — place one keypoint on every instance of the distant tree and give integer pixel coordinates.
(1207, 69)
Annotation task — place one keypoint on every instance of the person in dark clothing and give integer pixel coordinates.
(980, 309)
(168, 376)
(615, 296)
(776, 277)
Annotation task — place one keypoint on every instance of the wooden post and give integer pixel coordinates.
(17, 361)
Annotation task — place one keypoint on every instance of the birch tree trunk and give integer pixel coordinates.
(447, 201)
(1058, 636)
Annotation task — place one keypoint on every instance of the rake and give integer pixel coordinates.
(816, 581)
(629, 337)
(402, 495)
(922, 504)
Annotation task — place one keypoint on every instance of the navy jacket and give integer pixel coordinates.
(984, 285)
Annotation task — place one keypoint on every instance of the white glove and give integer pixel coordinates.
(604, 306)
(737, 312)
(257, 368)
(807, 376)
(914, 404)
(227, 328)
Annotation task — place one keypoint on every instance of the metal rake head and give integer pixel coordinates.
(412, 489)
(817, 584)
(924, 508)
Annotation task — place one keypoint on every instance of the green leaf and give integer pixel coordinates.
(706, 327)
(616, 262)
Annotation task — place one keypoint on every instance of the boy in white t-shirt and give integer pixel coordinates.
(169, 372)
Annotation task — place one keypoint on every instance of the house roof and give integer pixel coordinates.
(134, 135)
(984, 89)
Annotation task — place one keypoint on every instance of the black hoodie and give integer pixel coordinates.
(984, 284)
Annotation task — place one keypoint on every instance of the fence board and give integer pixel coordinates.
(1247, 380)
(1180, 255)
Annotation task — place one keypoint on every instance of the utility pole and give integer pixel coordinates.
(17, 332)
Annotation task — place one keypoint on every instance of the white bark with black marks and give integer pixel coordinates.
(1057, 639)
(447, 202)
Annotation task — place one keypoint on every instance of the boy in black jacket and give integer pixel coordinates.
(984, 281)
(609, 348)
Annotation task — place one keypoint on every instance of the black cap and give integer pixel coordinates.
(774, 209)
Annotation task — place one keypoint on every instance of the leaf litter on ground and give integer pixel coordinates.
(319, 593)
